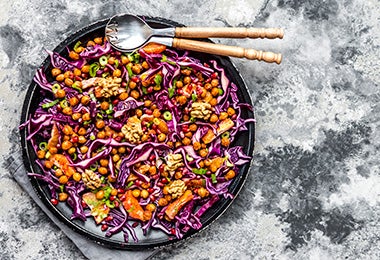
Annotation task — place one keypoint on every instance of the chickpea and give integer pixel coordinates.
(77, 72)
(136, 193)
(121, 149)
(179, 84)
(153, 106)
(178, 144)
(114, 151)
(69, 82)
(202, 192)
(103, 162)
(48, 164)
(85, 100)
(136, 69)
(164, 174)
(186, 72)
(83, 149)
(98, 40)
(60, 93)
(225, 141)
(196, 146)
(67, 130)
(162, 202)
(99, 195)
(145, 185)
(124, 60)
(90, 43)
(76, 116)
(201, 164)
(161, 137)
(186, 141)
(77, 176)
(193, 127)
(145, 65)
(182, 100)
(203, 152)
(103, 170)
(123, 96)
(60, 78)
(104, 105)
(144, 137)
(114, 192)
(156, 113)
(231, 111)
(135, 94)
(100, 124)
(214, 82)
(147, 214)
(111, 60)
(73, 55)
(150, 207)
(82, 131)
(73, 101)
(85, 69)
(58, 173)
(72, 150)
(152, 170)
(144, 194)
(168, 197)
(208, 86)
(41, 154)
(116, 73)
(62, 196)
(86, 117)
(178, 175)
(213, 102)
(53, 150)
(132, 84)
(82, 139)
(67, 111)
(66, 145)
(213, 168)
(189, 134)
(186, 80)
(147, 103)
(63, 179)
(55, 72)
(101, 135)
(186, 118)
(223, 115)
(215, 92)
(116, 158)
(139, 112)
(230, 175)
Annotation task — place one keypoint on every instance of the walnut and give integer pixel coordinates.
(177, 188)
(108, 86)
(200, 110)
(132, 130)
(91, 179)
(173, 161)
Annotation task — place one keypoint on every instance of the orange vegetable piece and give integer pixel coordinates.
(53, 141)
(208, 137)
(154, 48)
(174, 207)
(225, 125)
(132, 206)
(63, 163)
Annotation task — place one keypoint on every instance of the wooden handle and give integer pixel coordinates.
(225, 50)
(228, 32)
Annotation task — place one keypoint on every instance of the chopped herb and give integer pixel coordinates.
(131, 209)
(76, 46)
(194, 97)
(75, 86)
(129, 69)
(94, 67)
(226, 134)
(92, 137)
(158, 79)
(109, 204)
(130, 184)
(171, 92)
(55, 87)
(200, 171)
(64, 103)
(213, 178)
(220, 91)
(50, 104)
(164, 58)
(116, 63)
(144, 90)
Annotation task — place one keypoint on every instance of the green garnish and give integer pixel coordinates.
(103, 61)
(55, 87)
(189, 158)
(43, 146)
(94, 67)
(213, 178)
(75, 86)
(226, 134)
(64, 103)
(76, 46)
(164, 58)
(167, 115)
(144, 90)
(130, 184)
(50, 104)
(171, 92)
(116, 63)
(110, 204)
(194, 97)
(74, 156)
(220, 91)
(158, 79)
(94, 167)
(92, 137)
(130, 73)
(200, 171)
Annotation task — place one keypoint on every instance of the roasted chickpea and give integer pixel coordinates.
(225, 141)
(152, 170)
(123, 96)
(116, 158)
(193, 127)
(60, 93)
(85, 68)
(230, 175)
(73, 101)
(116, 73)
(67, 130)
(121, 149)
(114, 151)
(202, 192)
(98, 40)
(147, 103)
(103, 170)
(101, 135)
(100, 124)
(48, 164)
(213, 102)
(161, 137)
(66, 145)
(144, 194)
(147, 214)
(196, 146)
(82, 139)
(231, 111)
(86, 117)
(77, 176)
(214, 82)
(136, 69)
(208, 86)
(104, 105)
(165, 190)
(186, 80)
(55, 72)
(63, 179)
(179, 84)
(132, 84)
(103, 162)
(62, 196)
(60, 78)
(215, 92)
(135, 94)
(162, 202)
(178, 175)
(139, 112)
(72, 150)
(201, 164)
(145, 65)
(82, 131)
(76, 116)
(114, 192)
(144, 137)
(99, 195)
(68, 82)
(41, 154)
(53, 150)
(124, 60)
(67, 111)
(150, 207)
(83, 149)
(77, 72)
(203, 152)
(73, 55)
(182, 100)
(186, 141)
(85, 100)
(156, 113)
(58, 173)
(136, 193)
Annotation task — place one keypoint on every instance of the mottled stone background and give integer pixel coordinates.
(314, 187)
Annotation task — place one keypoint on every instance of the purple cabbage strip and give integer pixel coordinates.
(124, 106)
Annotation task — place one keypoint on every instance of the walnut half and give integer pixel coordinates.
(91, 179)
(177, 188)
(201, 110)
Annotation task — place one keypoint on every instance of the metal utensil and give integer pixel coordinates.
(128, 32)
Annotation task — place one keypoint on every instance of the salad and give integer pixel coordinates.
(142, 139)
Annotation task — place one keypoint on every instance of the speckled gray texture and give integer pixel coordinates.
(314, 187)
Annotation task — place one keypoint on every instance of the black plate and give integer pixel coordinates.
(155, 238)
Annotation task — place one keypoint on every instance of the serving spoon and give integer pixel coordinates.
(128, 32)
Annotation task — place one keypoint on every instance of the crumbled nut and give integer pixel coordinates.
(132, 130)
(200, 110)
(173, 161)
(91, 179)
(108, 86)
(176, 188)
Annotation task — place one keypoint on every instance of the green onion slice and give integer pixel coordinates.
(50, 104)
(167, 115)
(103, 60)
